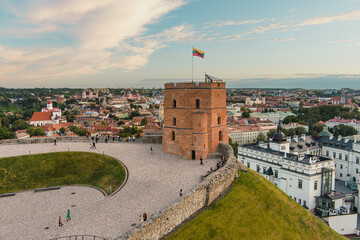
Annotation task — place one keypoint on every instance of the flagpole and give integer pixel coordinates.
(192, 65)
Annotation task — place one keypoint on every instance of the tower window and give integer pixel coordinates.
(219, 120)
(220, 136)
(197, 103)
(173, 135)
(174, 104)
(174, 120)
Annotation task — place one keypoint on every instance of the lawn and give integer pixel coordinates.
(60, 168)
(255, 209)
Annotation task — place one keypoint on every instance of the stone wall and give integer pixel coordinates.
(203, 195)
(156, 139)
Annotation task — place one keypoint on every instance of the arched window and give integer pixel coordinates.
(173, 135)
(220, 136)
(174, 103)
(174, 120)
(219, 120)
(197, 103)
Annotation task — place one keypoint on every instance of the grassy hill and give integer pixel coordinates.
(60, 168)
(255, 209)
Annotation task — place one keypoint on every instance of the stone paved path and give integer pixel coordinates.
(153, 184)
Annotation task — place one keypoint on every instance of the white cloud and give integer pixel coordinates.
(347, 16)
(343, 41)
(221, 23)
(107, 34)
(282, 39)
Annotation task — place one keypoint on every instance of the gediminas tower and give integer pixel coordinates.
(194, 117)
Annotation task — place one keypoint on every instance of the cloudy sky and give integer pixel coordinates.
(145, 43)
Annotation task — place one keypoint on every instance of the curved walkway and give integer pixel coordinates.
(153, 184)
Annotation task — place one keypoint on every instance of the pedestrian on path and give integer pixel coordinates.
(91, 146)
(201, 161)
(94, 146)
(60, 222)
(151, 150)
(54, 141)
(140, 219)
(181, 193)
(68, 217)
(144, 216)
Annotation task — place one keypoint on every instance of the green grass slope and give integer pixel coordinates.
(60, 168)
(255, 209)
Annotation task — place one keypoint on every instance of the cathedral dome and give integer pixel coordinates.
(279, 136)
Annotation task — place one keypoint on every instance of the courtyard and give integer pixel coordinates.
(153, 184)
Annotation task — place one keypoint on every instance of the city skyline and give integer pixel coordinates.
(140, 43)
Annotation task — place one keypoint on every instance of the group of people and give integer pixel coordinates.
(221, 163)
(143, 218)
(68, 218)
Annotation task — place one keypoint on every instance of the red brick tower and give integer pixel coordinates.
(194, 118)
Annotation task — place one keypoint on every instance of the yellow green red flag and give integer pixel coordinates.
(198, 53)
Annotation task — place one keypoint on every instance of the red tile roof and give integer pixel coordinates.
(41, 116)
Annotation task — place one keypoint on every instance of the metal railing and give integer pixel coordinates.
(80, 237)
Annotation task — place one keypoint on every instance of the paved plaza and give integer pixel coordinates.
(153, 184)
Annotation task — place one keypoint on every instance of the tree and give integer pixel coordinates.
(270, 133)
(103, 123)
(261, 137)
(62, 131)
(144, 121)
(35, 131)
(19, 124)
(134, 114)
(235, 146)
(121, 123)
(343, 130)
(245, 114)
(5, 133)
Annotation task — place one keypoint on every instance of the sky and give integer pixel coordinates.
(146, 43)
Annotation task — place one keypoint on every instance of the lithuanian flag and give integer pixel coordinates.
(197, 52)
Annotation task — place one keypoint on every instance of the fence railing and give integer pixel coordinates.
(80, 237)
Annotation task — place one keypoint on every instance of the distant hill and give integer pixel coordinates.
(255, 209)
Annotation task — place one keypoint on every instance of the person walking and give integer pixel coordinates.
(60, 222)
(144, 216)
(181, 193)
(68, 217)
(94, 146)
(201, 161)
(151, 150)
(140, 219)
(54, 141)
(91, 146)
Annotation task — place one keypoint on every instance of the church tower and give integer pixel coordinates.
(194, 118)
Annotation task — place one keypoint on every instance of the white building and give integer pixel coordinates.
(274, 117)
(347, 122)
(245, 135)
(56, 112)
(290, 166)
(307, 172)
(254, 100)
(347, 156)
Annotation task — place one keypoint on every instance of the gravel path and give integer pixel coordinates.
(153, 184)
